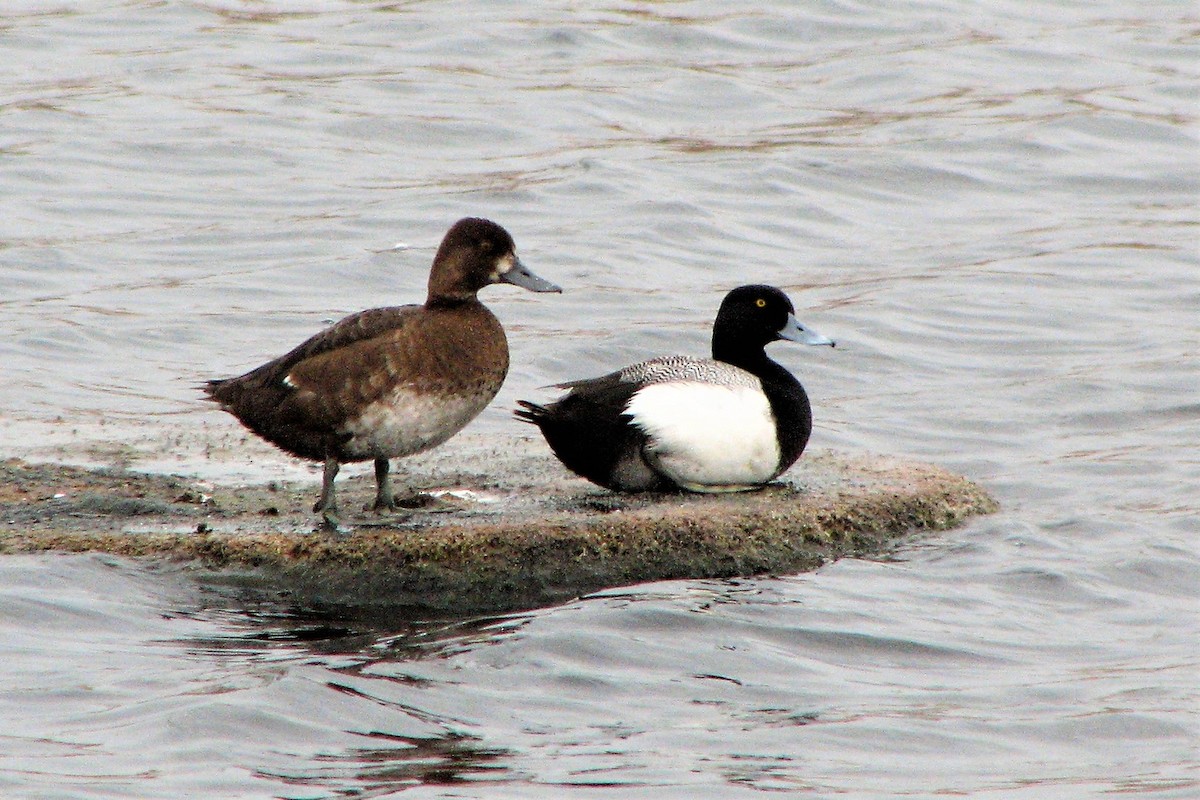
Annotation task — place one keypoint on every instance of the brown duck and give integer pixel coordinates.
(389, 382)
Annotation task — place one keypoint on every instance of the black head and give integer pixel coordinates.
(475, 253)
(751, 317)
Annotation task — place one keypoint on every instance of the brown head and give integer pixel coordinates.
(476, 253)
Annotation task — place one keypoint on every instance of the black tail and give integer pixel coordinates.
(531, 412)
(210, 388)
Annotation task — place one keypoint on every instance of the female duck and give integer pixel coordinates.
(728, 424)
(389, 382)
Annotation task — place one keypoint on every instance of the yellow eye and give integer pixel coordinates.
(760, 303)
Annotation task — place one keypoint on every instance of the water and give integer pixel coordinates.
(993, 209)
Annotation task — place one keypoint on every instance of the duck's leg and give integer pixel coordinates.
(327, 504)
(384, 499)
(385, 495)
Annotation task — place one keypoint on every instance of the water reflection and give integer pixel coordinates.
(251, 621)
(401, 762)
(363, 670)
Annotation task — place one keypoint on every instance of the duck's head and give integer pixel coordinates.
(752, 317)
(476, 253)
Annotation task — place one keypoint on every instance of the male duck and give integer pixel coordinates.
(389, 382)
(729, 424)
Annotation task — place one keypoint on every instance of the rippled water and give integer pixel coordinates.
(992, 208)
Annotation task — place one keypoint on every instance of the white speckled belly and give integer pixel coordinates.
(407, 422)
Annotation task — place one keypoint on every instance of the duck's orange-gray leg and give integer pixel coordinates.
(385, 500)
(327, 504)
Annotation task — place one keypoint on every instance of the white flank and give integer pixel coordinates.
(407, 422)
(708, 438)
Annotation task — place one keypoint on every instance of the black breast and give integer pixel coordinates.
(792, 411)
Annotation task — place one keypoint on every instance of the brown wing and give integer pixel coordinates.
(346, 332)
(432, 352)
(301, 401)
(262, 398)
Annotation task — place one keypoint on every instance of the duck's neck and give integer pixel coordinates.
(449, 300)
(754, 360)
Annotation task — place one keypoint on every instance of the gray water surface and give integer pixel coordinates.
(992, 208)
